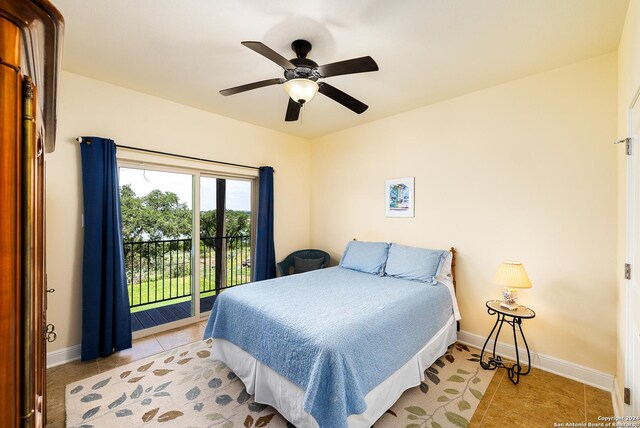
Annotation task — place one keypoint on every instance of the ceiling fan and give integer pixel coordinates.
(301, 77)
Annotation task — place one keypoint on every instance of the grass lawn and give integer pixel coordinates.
(154, 291)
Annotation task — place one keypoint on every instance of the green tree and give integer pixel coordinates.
(238, 223)
(132, 214)
(208, 224)
(155, 216)
(166, 217)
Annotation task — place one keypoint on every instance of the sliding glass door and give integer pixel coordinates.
(225, 236)
(168, 250)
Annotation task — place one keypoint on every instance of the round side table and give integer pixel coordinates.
(513, 317)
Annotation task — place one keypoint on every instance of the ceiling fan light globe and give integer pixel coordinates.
(301, 90)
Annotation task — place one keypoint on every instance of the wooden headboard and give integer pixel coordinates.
(452, 250)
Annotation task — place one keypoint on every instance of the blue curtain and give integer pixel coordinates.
(106, 319)
(265, 263)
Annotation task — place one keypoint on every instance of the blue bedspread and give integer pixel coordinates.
(334, 332)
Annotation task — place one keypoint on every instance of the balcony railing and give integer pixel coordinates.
(161, 271)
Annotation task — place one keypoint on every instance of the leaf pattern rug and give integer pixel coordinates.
(184, 388)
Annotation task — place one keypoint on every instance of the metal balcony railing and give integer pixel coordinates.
(161, 271)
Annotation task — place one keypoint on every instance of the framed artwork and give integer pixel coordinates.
(399, 197)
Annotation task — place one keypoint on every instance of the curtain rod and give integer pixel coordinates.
(80, 140)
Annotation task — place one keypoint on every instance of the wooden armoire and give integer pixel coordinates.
(30, 51)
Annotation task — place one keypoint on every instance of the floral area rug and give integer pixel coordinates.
(184, 388)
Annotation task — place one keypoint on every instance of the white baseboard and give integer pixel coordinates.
(62, 356)
(560, 367)
(72, 353)
(554, 365)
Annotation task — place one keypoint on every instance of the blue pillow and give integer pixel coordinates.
(415, 264)
(367, 257)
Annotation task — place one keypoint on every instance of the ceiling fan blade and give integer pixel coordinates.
(293, 111)
(250, 86)
(350, 66)
(269, 53)
(345, 99)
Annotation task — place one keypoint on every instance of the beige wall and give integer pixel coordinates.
(628, 85)
(90, 107)
(525, 170)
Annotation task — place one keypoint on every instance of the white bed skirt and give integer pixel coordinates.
(271, 388)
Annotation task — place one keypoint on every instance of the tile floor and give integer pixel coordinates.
(540, 399)
(58, 377)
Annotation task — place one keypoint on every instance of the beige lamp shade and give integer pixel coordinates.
(512, 275)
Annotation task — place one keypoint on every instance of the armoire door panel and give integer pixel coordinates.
(30, 334)
(10, 230)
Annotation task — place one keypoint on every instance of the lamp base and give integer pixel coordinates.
(509, 306)
(509, 298)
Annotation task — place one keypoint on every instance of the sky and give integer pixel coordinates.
(144, 181)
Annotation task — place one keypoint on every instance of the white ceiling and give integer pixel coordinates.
(427, 50)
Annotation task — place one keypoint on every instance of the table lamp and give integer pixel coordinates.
(511, 275)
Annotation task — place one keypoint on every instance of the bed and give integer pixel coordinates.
(336, 347)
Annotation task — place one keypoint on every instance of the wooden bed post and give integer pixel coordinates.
(452, 250)
(453, 266)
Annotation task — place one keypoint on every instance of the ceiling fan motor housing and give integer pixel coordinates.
(305, 68)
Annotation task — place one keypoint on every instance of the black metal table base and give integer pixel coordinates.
(513, 370)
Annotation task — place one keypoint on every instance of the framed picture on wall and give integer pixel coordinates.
(399, 197)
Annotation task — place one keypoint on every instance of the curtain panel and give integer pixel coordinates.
(265, 264)
(106, 318)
